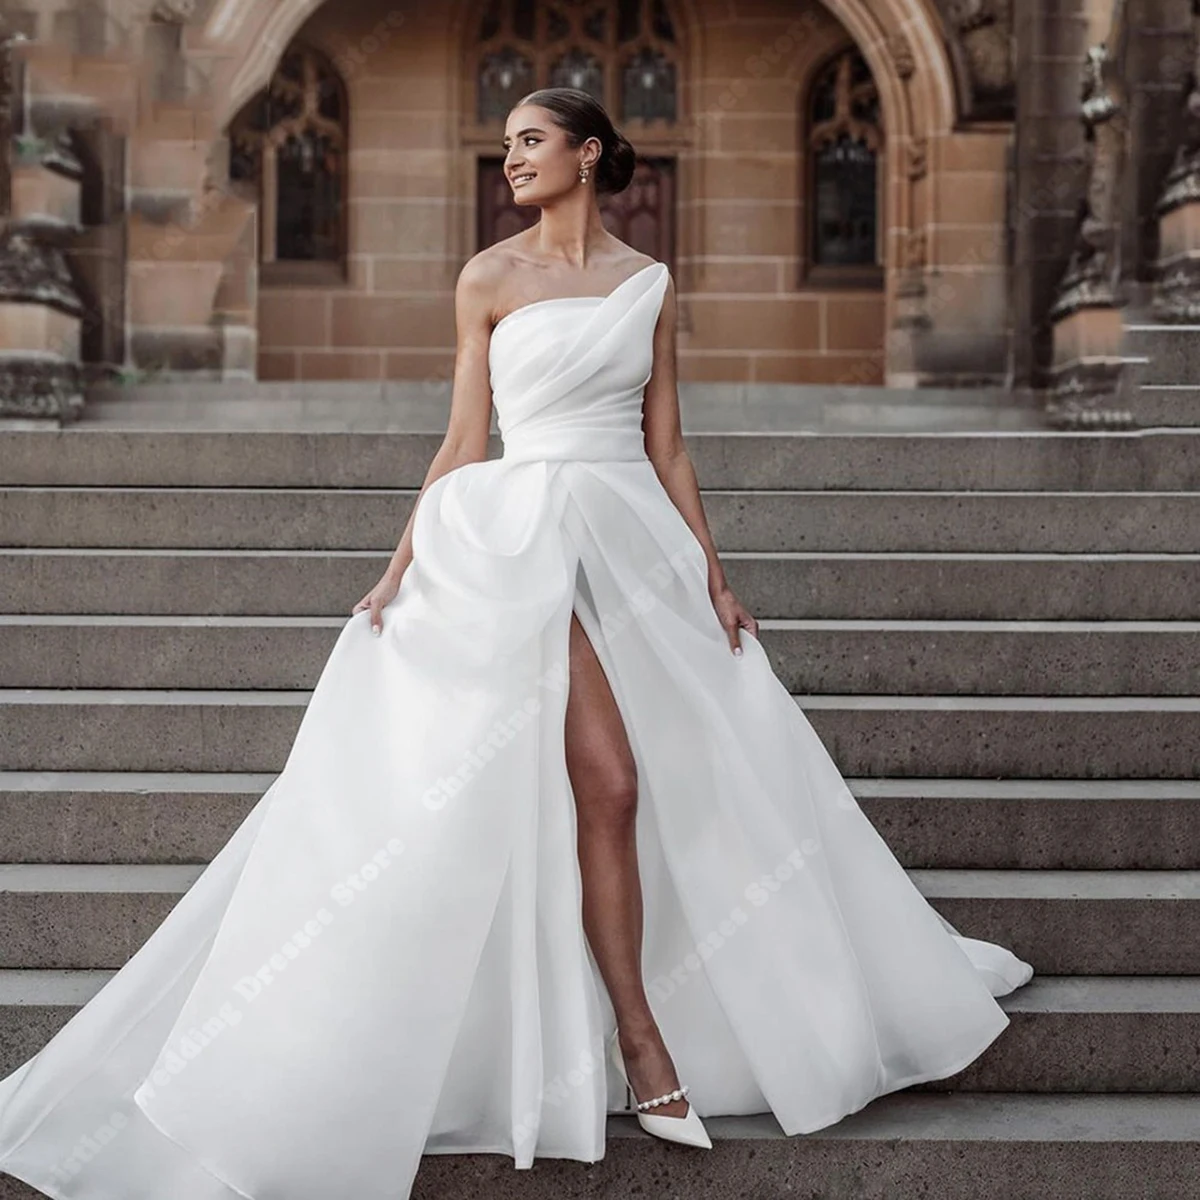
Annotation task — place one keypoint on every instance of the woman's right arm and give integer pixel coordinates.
(470, 414)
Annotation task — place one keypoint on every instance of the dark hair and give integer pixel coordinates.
(581, 116)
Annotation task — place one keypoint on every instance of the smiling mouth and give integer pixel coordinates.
(521, 180)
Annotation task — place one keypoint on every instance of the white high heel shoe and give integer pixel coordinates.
(689, 1130)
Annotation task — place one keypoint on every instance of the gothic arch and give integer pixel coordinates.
(901, 40)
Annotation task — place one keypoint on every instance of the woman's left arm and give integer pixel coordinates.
(667, 450)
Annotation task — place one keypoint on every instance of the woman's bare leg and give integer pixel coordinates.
(604, 779)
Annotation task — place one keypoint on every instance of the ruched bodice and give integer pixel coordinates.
(568, 374)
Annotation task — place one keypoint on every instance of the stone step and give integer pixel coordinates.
(1063, 824)
(1169, 405)
(1036, 824)
(352, 518)
(1077, 922)
(1173, 351)
(788, 585)
(1156, 737)
(997, 658)
(979, 587)
(407, 405)
(954, 1146)
(1067, 1033)
(1103, 658)
(84, 916)
(1151, 460)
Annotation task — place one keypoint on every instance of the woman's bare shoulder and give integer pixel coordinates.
(484, 270)
(481, 281)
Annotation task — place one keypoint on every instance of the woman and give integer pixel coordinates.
(554, 795)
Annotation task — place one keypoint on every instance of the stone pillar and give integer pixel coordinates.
(1050, 172)
(1157, 67)
(1177, 294)
(39, 307)
(1087, 363)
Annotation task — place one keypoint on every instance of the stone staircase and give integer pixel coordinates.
(1167, 381)
(995, 633)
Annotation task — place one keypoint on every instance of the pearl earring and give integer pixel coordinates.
(583, 174)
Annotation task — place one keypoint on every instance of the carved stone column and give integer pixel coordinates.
(910, 317)
(981, 33)
(1086, 314)
(1177, 292)
(39, 308)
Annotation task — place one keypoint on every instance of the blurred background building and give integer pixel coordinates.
(909, 194)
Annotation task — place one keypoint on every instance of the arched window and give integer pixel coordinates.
(845, 138)
(623, 52)
(290, 140)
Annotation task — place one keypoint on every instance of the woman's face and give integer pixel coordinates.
(538, 163)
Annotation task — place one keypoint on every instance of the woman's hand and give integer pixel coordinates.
(733, 615)
(383, 593)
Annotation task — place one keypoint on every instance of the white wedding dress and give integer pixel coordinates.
(387, 958)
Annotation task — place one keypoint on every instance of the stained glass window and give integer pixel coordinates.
(844, 141)
(290, 140)
(621, 51)
(504, 77)
(648, 86)
(309, 204)
(579, 70)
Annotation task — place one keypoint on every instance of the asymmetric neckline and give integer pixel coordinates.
(575, 299)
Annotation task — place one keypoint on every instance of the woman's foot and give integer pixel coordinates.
(650, 1069)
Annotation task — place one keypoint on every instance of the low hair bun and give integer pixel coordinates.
(615, 167)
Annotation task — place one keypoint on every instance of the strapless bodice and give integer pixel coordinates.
(568, 374)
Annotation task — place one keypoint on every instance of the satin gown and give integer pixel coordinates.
(387, 957)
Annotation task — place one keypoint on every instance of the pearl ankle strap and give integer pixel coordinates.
(677, 1094)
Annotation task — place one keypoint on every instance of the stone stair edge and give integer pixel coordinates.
(937, 883)
(218, 621)
(150, 783)
(1015, 496)
(867, 701)
(1044, 993)
(11, 429)
(956, 556)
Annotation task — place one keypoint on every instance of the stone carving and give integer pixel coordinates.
(984, 32)
(6, 123)
(1177, 294)
(913, 257)
(1089, 396)
(176, 12)
(37, 386)
(901, 51)
(911, 315)
(32, 385)
(1090, 279)
(918, 159)
(30, 388)
(32, 273)
(1090, 392)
